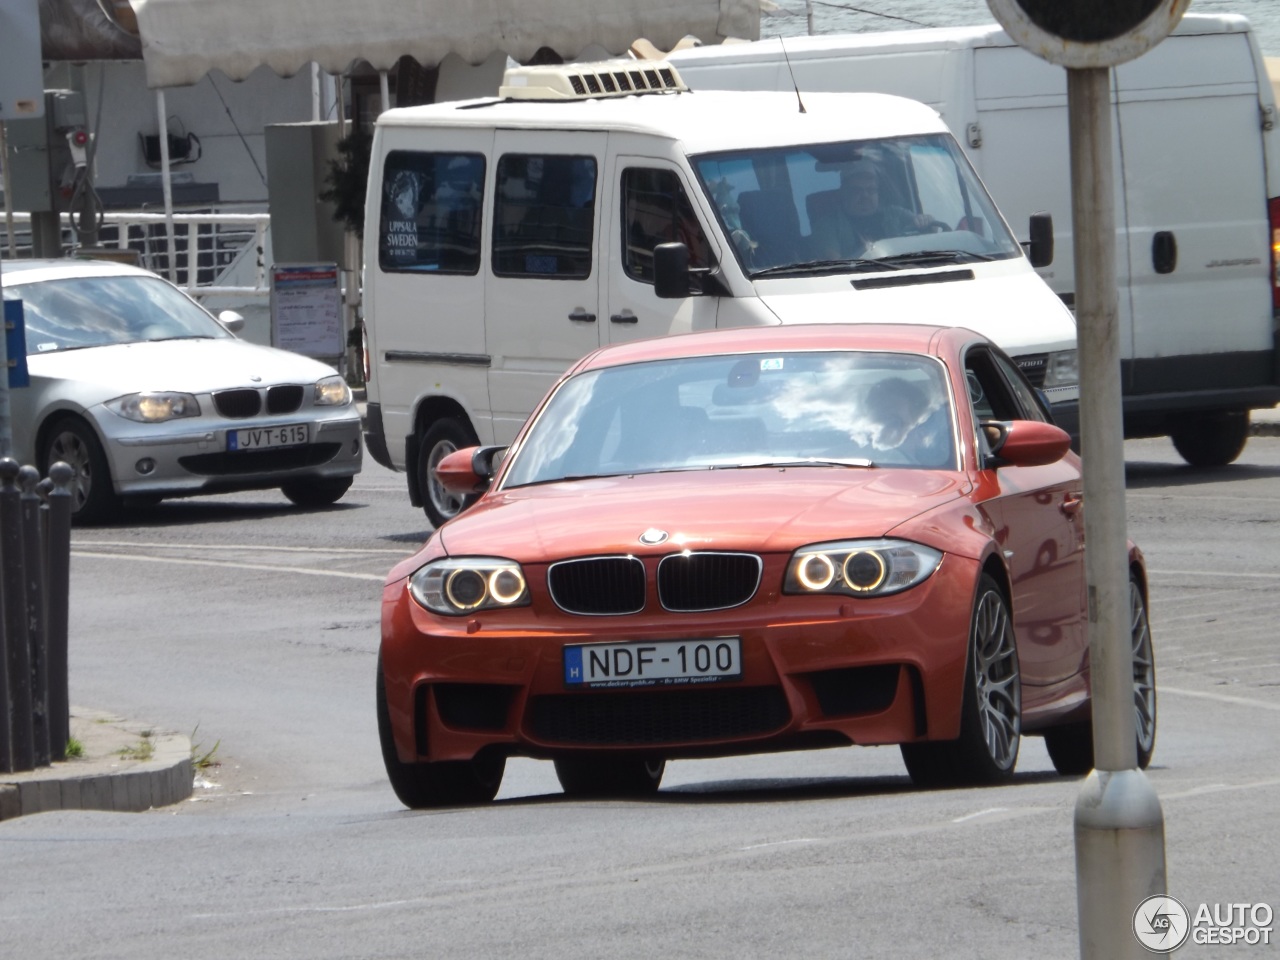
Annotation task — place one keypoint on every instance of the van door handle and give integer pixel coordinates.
(1164, 251)
(626, 316)
(582, 316)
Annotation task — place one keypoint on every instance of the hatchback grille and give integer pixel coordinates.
(284, 399)
(637, 719)
(238, 404)
(598, 585)
(688, 582)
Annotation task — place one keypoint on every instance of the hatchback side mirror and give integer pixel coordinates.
(469, 470)
(232, 321)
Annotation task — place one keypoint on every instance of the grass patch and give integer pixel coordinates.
(75, 749)
(145, 749)
(202, 759)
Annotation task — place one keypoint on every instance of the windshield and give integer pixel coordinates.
(839, 409)
(96, 311)
(865, 205)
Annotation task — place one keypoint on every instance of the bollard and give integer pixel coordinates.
(57, 582)
(33, 580)
(8, 470)
(18, 653)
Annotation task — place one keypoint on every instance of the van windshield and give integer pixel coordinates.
(859, 205)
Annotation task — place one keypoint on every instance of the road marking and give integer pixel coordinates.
(1220, 697)
(235, 546)
(1213, 573)
(273, 568)
(779, 843)
(980, 813)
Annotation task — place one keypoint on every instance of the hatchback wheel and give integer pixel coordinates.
(986, 751)
(1071, 747)
(73, 441)
(610, 776)
(450, 783)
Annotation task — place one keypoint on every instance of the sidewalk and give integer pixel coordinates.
(1264, 423)
(125, 767)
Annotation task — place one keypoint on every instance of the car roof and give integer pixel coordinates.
(15, 272)
(927, 339)
(701, 121)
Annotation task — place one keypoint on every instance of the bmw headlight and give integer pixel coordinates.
(155, 407)
(332, 392)
(456, 586)
(1062, 369)
(860, 568)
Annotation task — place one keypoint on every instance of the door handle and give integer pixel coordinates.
(582, 316)
(627, 317)
(1072, 503)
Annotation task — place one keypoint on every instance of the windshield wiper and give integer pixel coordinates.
(928, 256)
(854, 264)
(185, 336)
(796, 462)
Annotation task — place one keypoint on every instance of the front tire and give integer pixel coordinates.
(441, 438)
(1071, 747)
(93, 497)
(622, 777)
(420, 786)
(322, 492)
(986, 751)
(1212, 439)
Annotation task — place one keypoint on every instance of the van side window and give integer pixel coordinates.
(431, 206)
(656, 209)
(544, 216)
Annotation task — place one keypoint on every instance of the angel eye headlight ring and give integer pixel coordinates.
(816, 571)
(864, 570)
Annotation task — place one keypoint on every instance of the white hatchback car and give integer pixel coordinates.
(148, 396)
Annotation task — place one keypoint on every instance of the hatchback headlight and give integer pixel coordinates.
(460, 585)
(155, 407)
(332, 392)
(860, 568)
(1062, 369)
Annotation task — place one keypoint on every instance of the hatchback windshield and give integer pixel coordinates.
(845, 408)
(79, 312)
(868, 204)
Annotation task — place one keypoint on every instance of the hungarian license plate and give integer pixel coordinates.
(659, 663)
(258, 438)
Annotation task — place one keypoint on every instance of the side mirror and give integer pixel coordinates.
(232, 321)
(1026, 443)
(469, 470)
(671, 271)
(1040, 248)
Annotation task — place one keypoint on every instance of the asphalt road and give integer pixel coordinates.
(253, 626)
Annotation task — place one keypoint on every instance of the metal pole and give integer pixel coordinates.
(1119, 827)
(58, 595)
(167, 186)
(6, 423)
(22, 756)
(6, 703)
(33, 579)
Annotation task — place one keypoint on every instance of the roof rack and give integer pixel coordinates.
(587, 81)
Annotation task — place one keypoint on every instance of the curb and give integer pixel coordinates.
(104, 779)
(1264, 428)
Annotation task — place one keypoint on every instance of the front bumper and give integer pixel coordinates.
(818, 671)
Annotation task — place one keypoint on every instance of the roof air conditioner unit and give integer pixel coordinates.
(587, 81)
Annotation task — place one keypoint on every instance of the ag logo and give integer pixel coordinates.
(1161, 924)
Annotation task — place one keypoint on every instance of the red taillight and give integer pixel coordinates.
(1273, 208)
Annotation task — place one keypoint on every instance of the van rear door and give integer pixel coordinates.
(546, 254)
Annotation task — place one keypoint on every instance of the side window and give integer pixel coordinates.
(656, 209)
(988, 391)
(430, 217)
(1032, 408)
(544, 216)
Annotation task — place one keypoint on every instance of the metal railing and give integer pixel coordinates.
(208, 247)
(35, 568)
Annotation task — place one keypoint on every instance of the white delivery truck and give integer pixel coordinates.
(1197, 161)
(592, 203)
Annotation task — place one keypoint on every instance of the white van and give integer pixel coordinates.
(592, 203)
(1197, 161)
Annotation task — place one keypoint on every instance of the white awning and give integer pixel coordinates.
(182, 40)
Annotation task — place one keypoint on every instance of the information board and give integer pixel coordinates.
(306, 309)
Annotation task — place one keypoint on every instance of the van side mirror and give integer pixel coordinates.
(671, 271)
(1040, 248)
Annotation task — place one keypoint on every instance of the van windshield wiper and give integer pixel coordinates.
(934, 256)
(853, 264)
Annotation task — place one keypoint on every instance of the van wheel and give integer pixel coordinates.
(441, 438)
(1211, 439)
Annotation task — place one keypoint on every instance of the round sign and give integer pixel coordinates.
(1088, 33)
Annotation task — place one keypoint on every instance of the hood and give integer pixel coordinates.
(189, 366)
(1006, 302)
(758, 509)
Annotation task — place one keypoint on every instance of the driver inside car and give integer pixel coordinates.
(860, 218)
